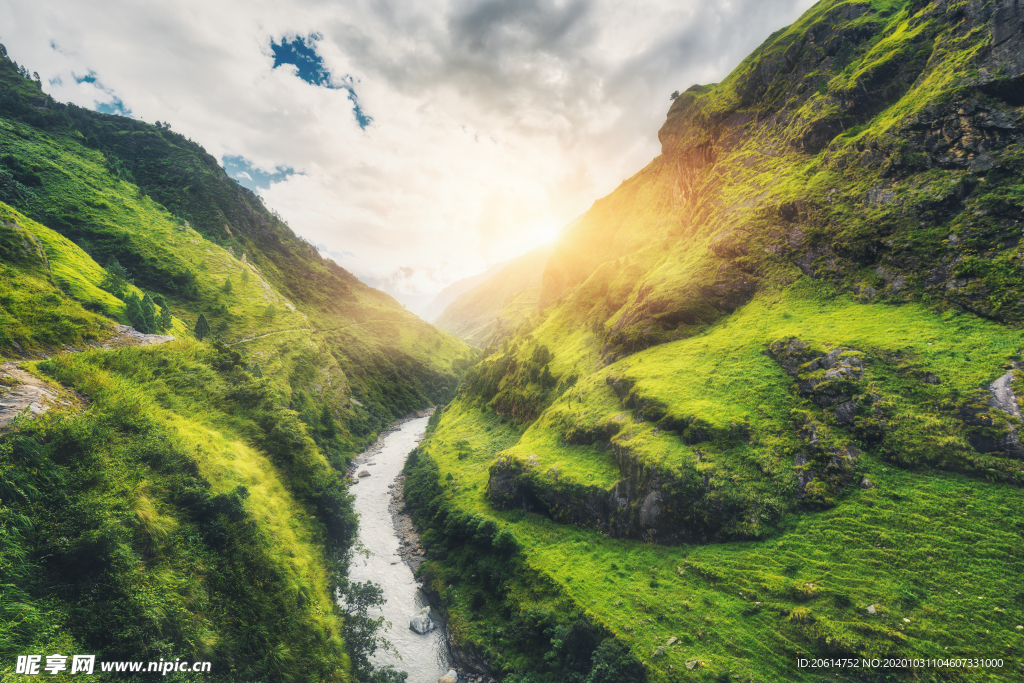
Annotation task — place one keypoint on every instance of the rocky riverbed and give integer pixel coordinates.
(410, 549)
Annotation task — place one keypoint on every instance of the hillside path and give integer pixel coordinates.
(306, 329)
(267, 334)
(20, 391)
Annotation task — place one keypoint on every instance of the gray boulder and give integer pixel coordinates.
(450, 677)
(422, 623)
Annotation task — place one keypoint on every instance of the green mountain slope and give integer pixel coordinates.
(75, 181)
(186, 500)
(774, 384)
(447, 295)
(490, 310)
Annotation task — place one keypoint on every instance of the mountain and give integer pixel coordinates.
(186, 498)
(452, 291)
(165, 210)
(773, 384)
(492, 308)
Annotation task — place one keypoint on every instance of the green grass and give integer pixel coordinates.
(185, 502)
(898, 546)
(35, 310)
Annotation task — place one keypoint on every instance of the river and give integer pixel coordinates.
(424, 657)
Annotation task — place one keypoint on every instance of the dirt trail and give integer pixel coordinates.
(21, 391)
(305, 329)
(267, 334)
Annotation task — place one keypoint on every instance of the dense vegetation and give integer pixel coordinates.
(538, 633)
(770, 391)
(186, 512)
(186, 500)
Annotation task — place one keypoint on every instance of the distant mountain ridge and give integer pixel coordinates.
(496, 303)
(447, 295)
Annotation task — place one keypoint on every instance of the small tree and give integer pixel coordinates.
(844, 55)
(149, 314)
(165, 321)
(228, 286)
(133, 309)
(271, 312)
(360, 630)
(546, 379)
(202, 327)
(116, 279)
(327, 421)
(245, 278)
(674, 96)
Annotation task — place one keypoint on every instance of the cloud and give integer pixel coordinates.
(494, 122)
(301, 53)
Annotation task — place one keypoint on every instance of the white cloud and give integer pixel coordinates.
(495, 122)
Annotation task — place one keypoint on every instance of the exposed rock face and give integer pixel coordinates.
(963, 134)
(828, 380)
(831, 381)
(645, 503)
(1003, 396)
(23, 392)
(993, 419)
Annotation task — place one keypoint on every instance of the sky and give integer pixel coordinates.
(414, 143)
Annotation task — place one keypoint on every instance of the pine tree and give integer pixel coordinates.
(202, 327)
(245, 278)
(227, 286)
(327, 420)
(149, 314)
(115, 280)
(133, 309)
(165, 321)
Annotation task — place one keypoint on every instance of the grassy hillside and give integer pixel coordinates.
(771, 386)
(163, 208)
(184, 513)
(492, 309)
(187, 500)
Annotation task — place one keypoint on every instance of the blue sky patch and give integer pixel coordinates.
(114, 106)
(301, 53)
(242, 170)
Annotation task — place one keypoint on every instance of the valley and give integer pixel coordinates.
(760, 403)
